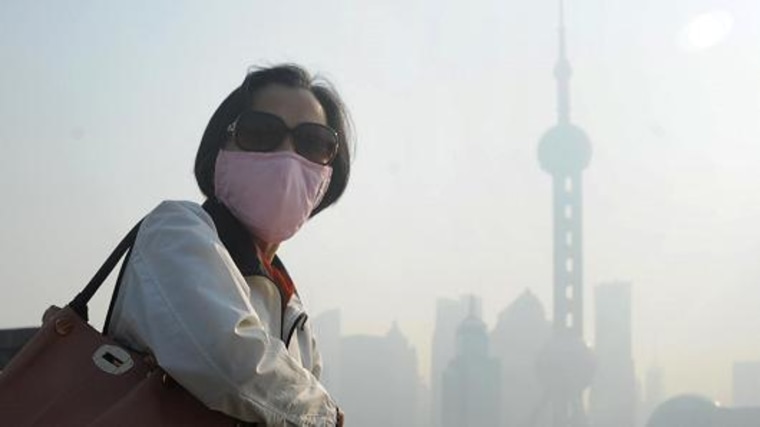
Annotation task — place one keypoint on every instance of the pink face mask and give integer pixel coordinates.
(271, 193)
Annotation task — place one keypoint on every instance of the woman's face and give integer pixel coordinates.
(293, 105)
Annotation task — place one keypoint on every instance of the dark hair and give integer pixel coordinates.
(289, 75)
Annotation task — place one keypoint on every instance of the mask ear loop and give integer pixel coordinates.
(323, 188)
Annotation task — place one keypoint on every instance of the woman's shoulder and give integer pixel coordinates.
(178, 216)
(180, 209)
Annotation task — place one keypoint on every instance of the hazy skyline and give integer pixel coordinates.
(104, 104)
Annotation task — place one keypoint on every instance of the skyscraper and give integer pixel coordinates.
(379, 380)
(521, 332)
(449, 313)
(471, 381)
(613, 400)
(564, 152)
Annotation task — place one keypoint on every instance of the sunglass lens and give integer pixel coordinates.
(315, 142)
(259, 132)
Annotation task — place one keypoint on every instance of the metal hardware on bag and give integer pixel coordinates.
(112, 359)
(64, 326)
(167, 380)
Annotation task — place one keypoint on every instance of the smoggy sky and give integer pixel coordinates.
(103, 104)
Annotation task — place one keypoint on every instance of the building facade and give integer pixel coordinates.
(521, 332)
(471, 382)
(449, 314)
(613, 398)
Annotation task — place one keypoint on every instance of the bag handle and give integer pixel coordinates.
(79, 303)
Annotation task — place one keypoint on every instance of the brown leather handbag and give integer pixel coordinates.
(69, 374)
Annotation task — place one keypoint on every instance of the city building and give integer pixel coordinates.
(564, 151)
(613, 397)
(471, 381)
(379, 380)
(449, 314)
(521, 332)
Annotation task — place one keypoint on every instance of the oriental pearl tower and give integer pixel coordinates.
(565, 366)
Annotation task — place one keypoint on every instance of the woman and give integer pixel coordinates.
(204, 290)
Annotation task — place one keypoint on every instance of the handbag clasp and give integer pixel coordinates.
(112, 359)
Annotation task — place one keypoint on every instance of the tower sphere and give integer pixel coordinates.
(564, 148)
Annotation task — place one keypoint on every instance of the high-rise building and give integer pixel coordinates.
(402, 358)
(449, 313)
(746, 383)
(521, 332)
(379, 380)
(470, 386)
(564, 152)
(613, 401)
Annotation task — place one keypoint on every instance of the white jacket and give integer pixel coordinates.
(222, 335)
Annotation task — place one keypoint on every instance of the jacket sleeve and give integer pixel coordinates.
(316, 367)
(184, 299)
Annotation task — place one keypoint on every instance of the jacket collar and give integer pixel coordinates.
(239, 242)
(236, 238)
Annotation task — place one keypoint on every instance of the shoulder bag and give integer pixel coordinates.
(69, 374)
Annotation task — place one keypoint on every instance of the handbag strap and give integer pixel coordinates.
(79, 303)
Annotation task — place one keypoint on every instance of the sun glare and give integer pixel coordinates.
(706, 30)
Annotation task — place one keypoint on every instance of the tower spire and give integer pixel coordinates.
(562, 71)
(562, 46)
(564, 152)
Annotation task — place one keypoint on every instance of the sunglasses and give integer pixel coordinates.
(260, 131)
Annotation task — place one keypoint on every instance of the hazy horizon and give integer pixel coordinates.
(104, 104)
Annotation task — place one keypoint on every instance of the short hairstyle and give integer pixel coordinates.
(289, 75)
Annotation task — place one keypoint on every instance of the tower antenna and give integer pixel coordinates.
(563, 71)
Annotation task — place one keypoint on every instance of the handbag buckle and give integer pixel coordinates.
(112, 359)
